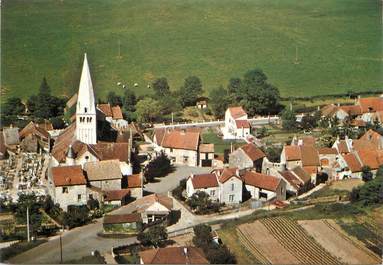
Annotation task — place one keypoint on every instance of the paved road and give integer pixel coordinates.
(172, 180)
(77, 243)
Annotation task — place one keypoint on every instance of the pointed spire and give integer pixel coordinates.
(85, 93)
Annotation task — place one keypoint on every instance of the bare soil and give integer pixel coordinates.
(332, 238)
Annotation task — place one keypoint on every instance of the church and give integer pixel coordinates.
(81, 141)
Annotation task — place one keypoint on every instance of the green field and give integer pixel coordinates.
(338, 41)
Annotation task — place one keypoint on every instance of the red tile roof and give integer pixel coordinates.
(116, 195)
(292, 152)
(370, 158)
(308, 140)
(181, 140)
(292, 179)
(371, 104)
(327, 151)
(351, 109)
(310, 169)
(201, 181)
(134, 181)
(68, 176)
(226, 174)
(374, 137)
(342, 147)
(117, 113)
(173, 255)
(62, 143)
(253, 152)
(309, 156)
(106, 109)
(362, 144)
(122, 218)
(107, 151)
(352, 162)
(302, 174)
(329, 110)
(261, 180)
(242, 124)
(237, 112)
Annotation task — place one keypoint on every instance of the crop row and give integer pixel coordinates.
(297, 242)
(249, 244)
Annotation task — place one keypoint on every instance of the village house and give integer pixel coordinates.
(203, 182)
(69, 186)
(34, 138)
(181, 146)
(105, 174)
(135, 185)
(206, 155)
(154, 207)
(173, 255)
(202, 103)
(115, 197)
(264, 187)
(246, 157)
(230, 185)
(236, 124)
(113, 114)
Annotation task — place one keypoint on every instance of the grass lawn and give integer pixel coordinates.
(211, 137)
(338, 43)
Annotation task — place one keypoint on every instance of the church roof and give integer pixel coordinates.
(85, 92)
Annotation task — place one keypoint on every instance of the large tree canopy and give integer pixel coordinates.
(258, 96)
(219, 101)
(147, 109)
(161, 87)
(190, 91)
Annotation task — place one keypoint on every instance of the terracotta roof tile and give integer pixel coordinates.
(107, 151)
(117, 113)
(106, 109)
(292, 179)
(362, 144)
(68, 176)
(62, 142)
(181, 140)
(253, 152)
(329, 110)
(237, 112)
(351, 109)
(122, 218)
(103, 170)
(309, 156)
(370, 158)
(371, 104)
(352, 162)
(310, 169)
(342, 147)
(201, 181)
(226, 174)
(242, 124)
(327, 151)
(134, 181)
(261, 180)
(116, 195)
(173, 255)
(374, 137)
(300, 173)
(292, 152)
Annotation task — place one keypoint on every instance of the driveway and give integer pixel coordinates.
(77, 243)
(172, 180)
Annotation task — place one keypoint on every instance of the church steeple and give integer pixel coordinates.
(86, 130)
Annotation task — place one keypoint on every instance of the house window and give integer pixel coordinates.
(263, 195)
(65, 190)
(212, 192)
(186, 159)
(231, 198)
(86, 157)
(79, 197)
(171, 150)
(232, 186)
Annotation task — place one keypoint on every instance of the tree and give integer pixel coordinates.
(366, 173)
(202, 236)
(190, 91)
(308, 122)
(76, 216)
(130, 100)
(234, 87)
(154, 236)
(44, 90)
(57, 123)
(202, 204)
(220, 255)
(288, 119)
(147, 110)
(13, 106)
(258, 96)
(114, 99)
(219, 101)
(161, 87)
(33, 203)
(158, 167)
(273, 153)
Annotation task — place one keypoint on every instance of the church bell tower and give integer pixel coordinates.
(86, 123)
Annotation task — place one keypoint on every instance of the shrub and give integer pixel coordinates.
(177, 192)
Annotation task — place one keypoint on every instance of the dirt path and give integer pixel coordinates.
(266, 244)
(335, 242)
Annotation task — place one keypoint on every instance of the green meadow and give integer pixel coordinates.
(305, 47)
